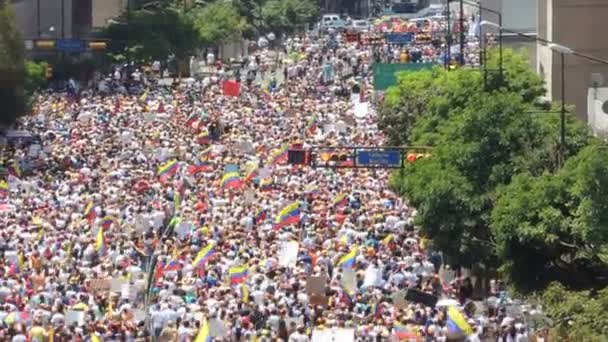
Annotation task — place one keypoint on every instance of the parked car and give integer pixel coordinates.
(359, 26)
(332, 21)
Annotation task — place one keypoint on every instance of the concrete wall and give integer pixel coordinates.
(26, 12)
(106, 9)
(517, 15)
(579, 25)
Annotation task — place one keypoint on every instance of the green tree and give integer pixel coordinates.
(218, 22)
(154, 34)
(287, 16)
(454, 189)
(554, 227)
(577, 316)
(35, 76)
(12, 70)
(427, 97)
(482, 135)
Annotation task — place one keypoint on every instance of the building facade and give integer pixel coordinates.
(578, 25)
(64, 19)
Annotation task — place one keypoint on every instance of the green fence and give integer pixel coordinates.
(385, 73)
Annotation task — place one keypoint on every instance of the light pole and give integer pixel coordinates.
(482, 52)
(563, 51)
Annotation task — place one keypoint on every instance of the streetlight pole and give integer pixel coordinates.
(563, 51)
(62, 19)
(461, 32)
(562, 143)
(38, 21)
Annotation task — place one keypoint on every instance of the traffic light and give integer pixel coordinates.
(97, 46)
(412, 157)
(336, 158)
(45, 44)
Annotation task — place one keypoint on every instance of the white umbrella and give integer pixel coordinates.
(447, 302)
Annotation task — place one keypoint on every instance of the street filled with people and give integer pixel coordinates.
(172, 213)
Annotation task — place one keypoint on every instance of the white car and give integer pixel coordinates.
(361, 26)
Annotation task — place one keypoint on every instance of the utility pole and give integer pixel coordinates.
(62, 19)
(461, 32)
(562, 138)
(38, 24)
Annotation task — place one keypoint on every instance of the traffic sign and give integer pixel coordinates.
(379, 158)
(71, 45)
(399, 38)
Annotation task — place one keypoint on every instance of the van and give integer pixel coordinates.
(332, 21)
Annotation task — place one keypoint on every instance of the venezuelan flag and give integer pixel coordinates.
(387, 239)
(232, 177)
(107, 221)
(340, 200)
(401, 332)
(203, 256)
(172, 265)
(177, 201)
(238, 274)
(245, 293)
(144, 96)
(100, 243)
(168, 169)
(89, 212)
(288, 215)
(251, 173)
(348, 260)
(200, 166)
(266, 184)
(203, 138)
(261, 216)
(203, 334)
(20, 262)
(278, 155)
(311, 190)
(457, 324)
(346, 297)
(3, 188)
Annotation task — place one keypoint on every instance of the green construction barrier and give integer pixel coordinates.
(385, 73)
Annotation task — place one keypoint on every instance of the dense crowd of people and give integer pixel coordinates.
(173, 213)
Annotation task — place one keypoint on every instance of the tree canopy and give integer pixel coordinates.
(554, 227)
(577, 315)
(218, 22)
(286, 16)
(485, 138)
(13, 94)
(145, 35)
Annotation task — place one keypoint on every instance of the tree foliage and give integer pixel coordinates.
(13, 95)
(35, 76)
(218, 22)
(146, 35)
(286, 16)
(577, 316)
(554, 227)
(484, 136)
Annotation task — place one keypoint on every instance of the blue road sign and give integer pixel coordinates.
(71, 45)
(379, 158)
(399, 38)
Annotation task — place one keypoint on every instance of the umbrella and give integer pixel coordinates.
(447, 302)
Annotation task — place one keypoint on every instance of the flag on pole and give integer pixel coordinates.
(204, 334)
